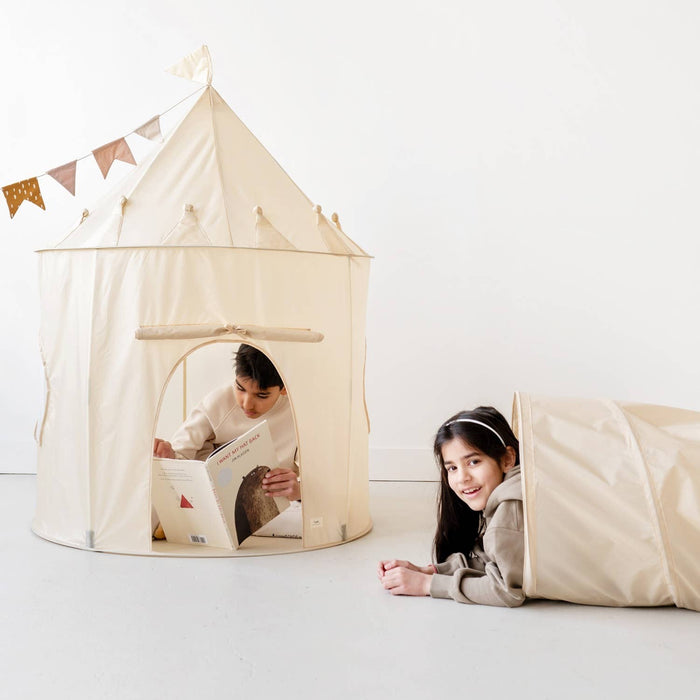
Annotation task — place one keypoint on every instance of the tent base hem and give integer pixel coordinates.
(252, 547)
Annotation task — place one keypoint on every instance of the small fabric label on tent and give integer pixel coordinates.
(184, 503)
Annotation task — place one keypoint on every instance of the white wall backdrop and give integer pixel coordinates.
(526, 174)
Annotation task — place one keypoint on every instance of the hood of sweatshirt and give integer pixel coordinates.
(510, 489)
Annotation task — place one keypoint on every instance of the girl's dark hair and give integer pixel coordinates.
(457, 524)
(253, 364)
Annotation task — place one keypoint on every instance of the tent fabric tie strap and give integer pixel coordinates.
(191, 331)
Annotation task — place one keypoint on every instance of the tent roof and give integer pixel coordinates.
(210, 183)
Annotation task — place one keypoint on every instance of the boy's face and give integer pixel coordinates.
(253, 400)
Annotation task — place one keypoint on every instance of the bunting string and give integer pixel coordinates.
(29, 190)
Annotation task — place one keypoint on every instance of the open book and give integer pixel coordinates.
(219, 502)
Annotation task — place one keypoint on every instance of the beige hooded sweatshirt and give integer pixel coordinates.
(493, 573)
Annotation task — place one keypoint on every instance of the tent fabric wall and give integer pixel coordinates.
(612, 501)
(119, 400)
(122, 270)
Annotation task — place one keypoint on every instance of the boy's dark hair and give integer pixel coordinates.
(250, 363)
(457, 524)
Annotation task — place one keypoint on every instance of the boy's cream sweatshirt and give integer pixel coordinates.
(493, 573)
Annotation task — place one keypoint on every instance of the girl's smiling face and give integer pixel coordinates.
(471, 474)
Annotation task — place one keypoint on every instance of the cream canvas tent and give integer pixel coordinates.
(207, 241)
(612, 501)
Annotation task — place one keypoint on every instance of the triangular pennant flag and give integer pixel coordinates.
(151, 129)
(195, 66)
(65, 175)
(107, 154)
(16, 193)
(184, 503)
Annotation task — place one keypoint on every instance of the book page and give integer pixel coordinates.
(184, 498)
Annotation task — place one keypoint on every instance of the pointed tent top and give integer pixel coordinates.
(196, 66)
(189, 167)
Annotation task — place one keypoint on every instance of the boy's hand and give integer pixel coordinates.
(282, 482)
(162, 448)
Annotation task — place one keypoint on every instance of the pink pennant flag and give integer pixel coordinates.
(151, 129)
(107, 154)
(16, 193)
(65, 175)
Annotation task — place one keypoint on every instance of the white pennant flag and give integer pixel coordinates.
(150, 130)
(196, 66)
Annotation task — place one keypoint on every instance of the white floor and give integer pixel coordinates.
(77, 624)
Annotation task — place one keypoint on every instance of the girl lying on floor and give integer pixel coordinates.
(479, 540)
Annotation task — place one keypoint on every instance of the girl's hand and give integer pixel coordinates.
(387, 564)
(400, 580)
(282, 482)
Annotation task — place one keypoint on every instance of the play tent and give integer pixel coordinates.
(611, 499)
(207, 241)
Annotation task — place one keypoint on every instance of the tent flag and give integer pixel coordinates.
(16, 193)
(65, 175)
(196, 66)
(115, 150)
(151, 130)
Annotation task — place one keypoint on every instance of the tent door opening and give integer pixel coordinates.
(203, 392)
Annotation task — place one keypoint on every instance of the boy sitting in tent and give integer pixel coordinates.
(257, 393)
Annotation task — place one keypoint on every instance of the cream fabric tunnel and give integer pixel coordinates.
(612, 501)
(207, 241)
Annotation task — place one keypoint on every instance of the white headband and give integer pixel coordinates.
(478, 422)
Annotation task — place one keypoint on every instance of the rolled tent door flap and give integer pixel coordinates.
(205, 330)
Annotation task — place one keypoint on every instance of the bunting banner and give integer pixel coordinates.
(16, 193)
(196, 66)
(115, 150)
(65, 175)
(151, 130)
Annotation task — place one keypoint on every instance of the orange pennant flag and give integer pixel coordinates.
(107, 154)
(26, 189)
(151, 130)
(65, 175)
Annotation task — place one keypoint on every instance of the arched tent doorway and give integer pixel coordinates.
(202, 370)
